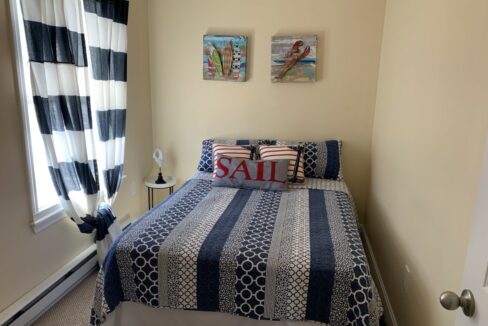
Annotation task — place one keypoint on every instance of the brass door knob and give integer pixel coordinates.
(451, 301)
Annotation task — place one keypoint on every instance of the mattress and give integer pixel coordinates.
(291, 256)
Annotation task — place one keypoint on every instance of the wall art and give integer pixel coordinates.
(224, 57)
(293, 58)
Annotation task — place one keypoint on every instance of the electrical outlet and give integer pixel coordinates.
(406, 278)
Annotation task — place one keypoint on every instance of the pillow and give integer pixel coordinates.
(322, 160)
(246, 152)
(248, 174)
(206, 158)
(293, 155)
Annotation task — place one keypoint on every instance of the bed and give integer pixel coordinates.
(209, 255)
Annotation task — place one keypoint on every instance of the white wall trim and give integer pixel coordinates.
(47, 217)
(389, 315)
(75, 276)
(53, 296)
(23, 97)
(42, 217)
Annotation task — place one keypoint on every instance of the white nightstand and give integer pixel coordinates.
(150, 183)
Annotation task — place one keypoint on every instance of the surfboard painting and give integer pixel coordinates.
(293, 58)
(224, 57)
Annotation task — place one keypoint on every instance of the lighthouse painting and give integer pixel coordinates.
(224, 57)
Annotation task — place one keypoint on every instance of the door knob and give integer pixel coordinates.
(451, 301)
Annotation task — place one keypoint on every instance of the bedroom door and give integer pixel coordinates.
(476, 268)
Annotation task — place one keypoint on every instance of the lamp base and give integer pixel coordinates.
(160, 179)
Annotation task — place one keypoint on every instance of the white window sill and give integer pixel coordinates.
(51, 215)
(47, 217)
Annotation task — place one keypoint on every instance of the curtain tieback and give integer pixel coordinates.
(104, 219)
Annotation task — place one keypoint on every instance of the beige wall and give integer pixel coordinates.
(27, 258)
(187, 109)
(430, 126)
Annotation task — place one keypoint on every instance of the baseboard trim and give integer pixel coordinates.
(37, 301)
(389, 315)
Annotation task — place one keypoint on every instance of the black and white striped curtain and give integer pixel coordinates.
(78, 60)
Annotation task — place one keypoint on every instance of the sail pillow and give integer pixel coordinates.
(246, 152)
(206, 157)
(250, 174)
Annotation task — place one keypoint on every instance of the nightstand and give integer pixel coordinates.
(150, 183)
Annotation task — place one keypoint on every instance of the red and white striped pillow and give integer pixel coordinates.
(276, 152)
(230, 151)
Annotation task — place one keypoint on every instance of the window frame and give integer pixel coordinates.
(42, 218)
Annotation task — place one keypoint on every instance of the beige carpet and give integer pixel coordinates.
(73, 309)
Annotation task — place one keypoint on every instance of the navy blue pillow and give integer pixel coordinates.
(323, 159)
(206, 158)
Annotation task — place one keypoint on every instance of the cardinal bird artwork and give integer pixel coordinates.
(293, 58)
(224, 57)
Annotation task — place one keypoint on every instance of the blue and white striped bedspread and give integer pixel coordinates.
(294, 255)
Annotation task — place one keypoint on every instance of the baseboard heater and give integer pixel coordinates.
(32, 305)
(37, 301)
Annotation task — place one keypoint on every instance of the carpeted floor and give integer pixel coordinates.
(73, 309)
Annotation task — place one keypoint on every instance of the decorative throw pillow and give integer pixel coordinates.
(246, 152)
(294, 155)
(322, 160)
(241, 173)
(206, 158)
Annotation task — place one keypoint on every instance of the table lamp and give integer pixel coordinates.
(159, 159)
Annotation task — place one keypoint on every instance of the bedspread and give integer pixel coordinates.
(292, 255)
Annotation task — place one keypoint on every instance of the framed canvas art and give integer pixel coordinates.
(224, 57)
(293, 58)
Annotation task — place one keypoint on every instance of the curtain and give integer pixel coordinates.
(78, 62)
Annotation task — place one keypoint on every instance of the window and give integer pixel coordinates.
(45, 203)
